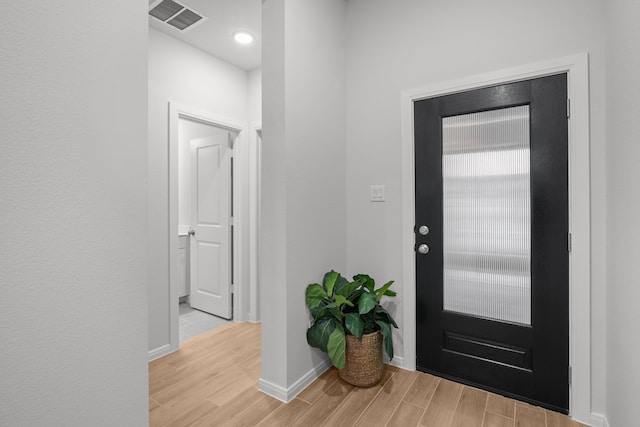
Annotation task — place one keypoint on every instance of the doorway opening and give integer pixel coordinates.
(205, 226)
(209, 214)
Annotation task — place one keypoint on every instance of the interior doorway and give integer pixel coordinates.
(220, 145)
(205, 193)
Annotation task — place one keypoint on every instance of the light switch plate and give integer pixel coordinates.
(377, 193)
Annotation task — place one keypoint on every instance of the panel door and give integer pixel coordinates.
(210, 241)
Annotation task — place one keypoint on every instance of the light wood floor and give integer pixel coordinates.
(212, 381)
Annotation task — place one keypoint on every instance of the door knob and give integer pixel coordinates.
(191, 232)
(424, 230)
(423, 249)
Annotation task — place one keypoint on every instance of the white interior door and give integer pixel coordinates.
(210, 242)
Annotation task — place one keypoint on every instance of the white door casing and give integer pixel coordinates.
(210, 240)
(255, 164)
(178, 112)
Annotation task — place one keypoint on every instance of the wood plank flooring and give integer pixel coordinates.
(212, 381)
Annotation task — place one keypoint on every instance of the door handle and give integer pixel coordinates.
(191, 232)
(423, 230)
(423, 249)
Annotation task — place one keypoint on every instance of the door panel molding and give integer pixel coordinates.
(576, 67)
(507, 354)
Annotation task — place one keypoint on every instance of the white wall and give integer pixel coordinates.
(272, 273)
(623, 205)
(254, 92)
(73, 316)
(303, 196)
(405, 44)
(189, 76)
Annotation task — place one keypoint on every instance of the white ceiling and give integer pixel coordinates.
(215, 34)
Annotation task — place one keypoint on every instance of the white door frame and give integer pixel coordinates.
(176, 112)
(255, 174)
(577, 70)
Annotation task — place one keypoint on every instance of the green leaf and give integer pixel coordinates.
(369, 324)
(336, 313)
(348, 289)
(366, 303)
(382, 314)
(329, 281)
(366, 280)
(386, 336)
(383, 290)
(319, 311)
(340, 301)
(314, 296)
(337, 347)
(355, 295)
(354, 324)
(318, 334)
(340, 285)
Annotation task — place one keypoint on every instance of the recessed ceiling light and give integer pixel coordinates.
(243, 37)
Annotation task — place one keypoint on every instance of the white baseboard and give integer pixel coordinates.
(159, 352)
(598, 420)
(273, 390)
(286, 395)
(307, 379)
(397, 361)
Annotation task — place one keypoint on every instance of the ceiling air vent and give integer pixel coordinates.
(175, 14)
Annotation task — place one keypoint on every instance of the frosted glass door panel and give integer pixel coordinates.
(487, 214)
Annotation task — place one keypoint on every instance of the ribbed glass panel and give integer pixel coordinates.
(487, 214)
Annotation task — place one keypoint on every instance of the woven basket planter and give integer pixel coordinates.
(363, 360)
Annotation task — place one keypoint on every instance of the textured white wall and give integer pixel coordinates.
(303, 199)
(315, 138)
(254, 78)
(272, 274)
(394, 46)
(189, 76)
(623, 205)
(73, 317)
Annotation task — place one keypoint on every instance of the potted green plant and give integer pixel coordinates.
(351, 326)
